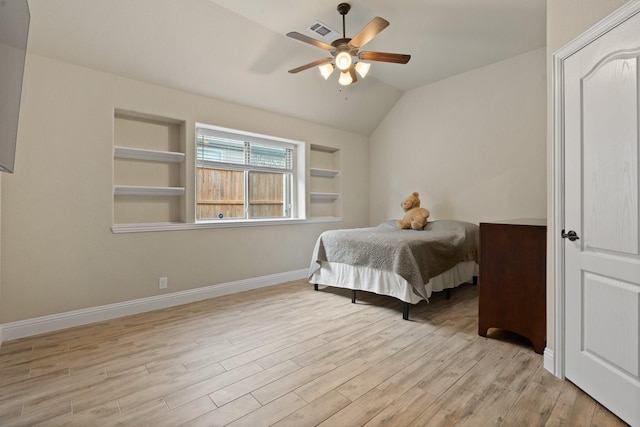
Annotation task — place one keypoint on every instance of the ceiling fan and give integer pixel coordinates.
(344, 50)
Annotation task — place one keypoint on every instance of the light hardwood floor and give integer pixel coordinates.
(288, 356)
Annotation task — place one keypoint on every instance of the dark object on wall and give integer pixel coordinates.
(14, 30)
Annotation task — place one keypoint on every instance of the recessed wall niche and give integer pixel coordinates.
(148, 169)
(325, 195)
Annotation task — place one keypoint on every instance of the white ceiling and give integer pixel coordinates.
(236, 50)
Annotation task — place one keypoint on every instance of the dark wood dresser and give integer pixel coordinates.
(512, 279)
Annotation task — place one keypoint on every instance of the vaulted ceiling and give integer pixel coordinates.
(237, 50)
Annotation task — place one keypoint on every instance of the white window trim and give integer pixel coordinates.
(299, 185)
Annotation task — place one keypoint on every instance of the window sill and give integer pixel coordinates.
(174, 226)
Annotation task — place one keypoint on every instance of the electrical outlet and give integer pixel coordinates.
(162, 283)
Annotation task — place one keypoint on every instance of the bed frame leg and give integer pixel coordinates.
(353, 297)
(315, 286)
(448, 293)
(405, 311)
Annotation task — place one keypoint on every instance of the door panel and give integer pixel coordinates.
(602, 268)
(610, 155)
(600, 293)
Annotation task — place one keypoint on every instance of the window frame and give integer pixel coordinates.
(297, 174)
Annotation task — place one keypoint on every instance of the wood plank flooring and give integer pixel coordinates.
(289, 356)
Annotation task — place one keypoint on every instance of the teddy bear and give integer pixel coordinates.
(415, 217)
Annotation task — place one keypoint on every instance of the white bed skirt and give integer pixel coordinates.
(389, 283)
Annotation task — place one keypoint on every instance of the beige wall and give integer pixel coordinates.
(472, 145)
(58, 252)
(566, 19)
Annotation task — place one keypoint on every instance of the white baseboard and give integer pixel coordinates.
(40, 325)
(548, 361)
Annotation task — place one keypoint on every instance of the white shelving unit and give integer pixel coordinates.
(142, 190)
(324, 172)
(325, 188)
(150, 155)
(328, 196)
(148, 173)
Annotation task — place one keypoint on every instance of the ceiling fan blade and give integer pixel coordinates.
(310, 65)
(397, 58)
(369, 31)
(310, 40)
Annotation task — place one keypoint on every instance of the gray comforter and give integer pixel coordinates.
(415, 255)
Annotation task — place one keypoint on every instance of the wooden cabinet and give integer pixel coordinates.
(512, 280)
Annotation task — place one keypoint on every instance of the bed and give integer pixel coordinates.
(406, 264)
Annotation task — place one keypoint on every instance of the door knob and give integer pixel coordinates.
(571, 235)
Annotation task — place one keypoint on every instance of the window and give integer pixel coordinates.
(243, 176)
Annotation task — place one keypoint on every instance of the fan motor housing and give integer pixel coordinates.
(342, 45)
(344, 8)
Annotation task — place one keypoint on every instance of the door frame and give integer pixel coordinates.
(554, 361)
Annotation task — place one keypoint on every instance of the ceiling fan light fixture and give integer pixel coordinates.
(345, 52)
(343, 61)
(345, 78)
(326, 70)
(363, 68)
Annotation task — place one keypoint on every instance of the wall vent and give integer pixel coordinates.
(324, 32)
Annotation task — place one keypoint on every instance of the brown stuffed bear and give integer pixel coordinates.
(415, 217)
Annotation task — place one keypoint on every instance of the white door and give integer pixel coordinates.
(602, 267)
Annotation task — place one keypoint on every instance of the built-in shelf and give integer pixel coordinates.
(328, 196)
(145, 154)
(324, 172)
(325, 185)
(324, 149)
(141, 190)
(149, 185)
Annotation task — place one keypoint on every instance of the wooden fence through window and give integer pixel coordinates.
(221, 192)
